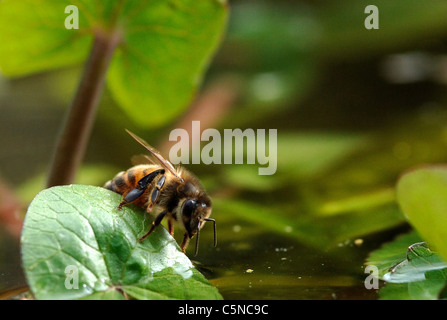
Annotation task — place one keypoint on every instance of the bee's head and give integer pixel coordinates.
(195, 212)
(194, 215)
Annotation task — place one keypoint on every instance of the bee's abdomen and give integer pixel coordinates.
(125, 181)
(119, 184)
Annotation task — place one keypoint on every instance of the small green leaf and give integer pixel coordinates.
(392, 253)
(420, 260)
(422, 196)
(76, 244)
(411, 269)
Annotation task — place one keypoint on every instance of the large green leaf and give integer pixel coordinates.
(422, 195)
(166, 46)
(34, 37)
(77, 231)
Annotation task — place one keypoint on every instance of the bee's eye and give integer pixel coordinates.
(189, 207)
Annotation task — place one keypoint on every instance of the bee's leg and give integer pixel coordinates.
(185, 242)
(155, 223)
(135, 193)
(131, 196)
(155, 193)
(171, 227)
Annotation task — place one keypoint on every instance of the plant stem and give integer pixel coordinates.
(10, 210)
(72, 142)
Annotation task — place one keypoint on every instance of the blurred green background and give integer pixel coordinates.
(354, 108)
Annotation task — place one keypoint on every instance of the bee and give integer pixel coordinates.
(165, 191)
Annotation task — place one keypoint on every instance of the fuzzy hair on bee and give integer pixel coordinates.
(167, 192)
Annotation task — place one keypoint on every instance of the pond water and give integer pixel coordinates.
(253, 267)
(272, 267)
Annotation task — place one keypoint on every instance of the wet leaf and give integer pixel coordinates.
(411, 270)
(77, 245)
(420, 260)
(422, 273)
(422, 195)
(392, 253)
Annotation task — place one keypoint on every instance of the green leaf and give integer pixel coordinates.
(392, 253)
(422, 195)
(34, 37)
(410, 268)
(76, 235)
(165, 49)
(420, 260)
(422, 275)
(168, 45)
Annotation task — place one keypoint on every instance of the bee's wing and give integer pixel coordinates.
(141, 159)
(165, 163)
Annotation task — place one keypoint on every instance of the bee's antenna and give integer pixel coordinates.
(215, 234)
(197, 240)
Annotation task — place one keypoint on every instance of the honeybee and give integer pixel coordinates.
(169, 192)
